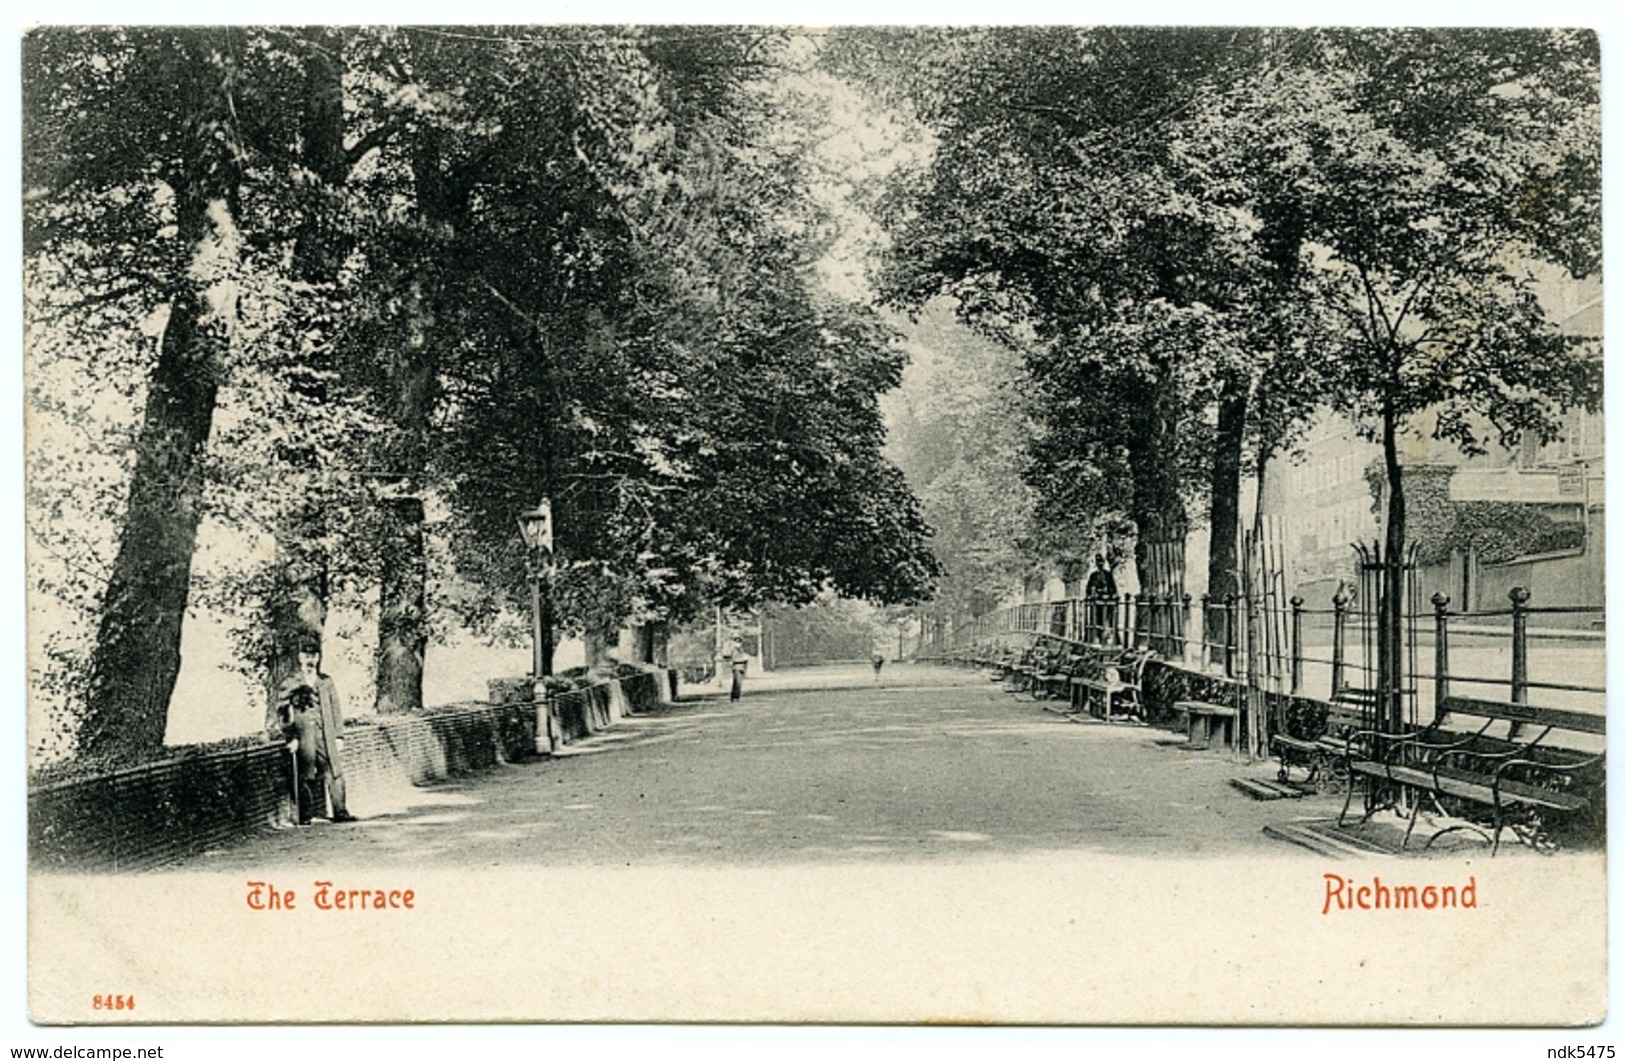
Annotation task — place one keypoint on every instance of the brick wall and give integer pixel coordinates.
(197, 799)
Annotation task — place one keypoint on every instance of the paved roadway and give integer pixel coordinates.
(932, 849)
(815, 766)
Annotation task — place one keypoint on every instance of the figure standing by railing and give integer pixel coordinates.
(1101, 591)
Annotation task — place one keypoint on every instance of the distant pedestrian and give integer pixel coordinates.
(307, 714)
(737, 662)
(879, 661)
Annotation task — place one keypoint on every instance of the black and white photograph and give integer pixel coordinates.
(1053, 525)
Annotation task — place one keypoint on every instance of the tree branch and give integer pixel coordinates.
(1416, 289)
(1360, 321)
(355, 154)
(78, 305)
(1374, 303)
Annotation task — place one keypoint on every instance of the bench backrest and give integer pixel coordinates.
(1087, 660)
(1351, 709)
(1522, 714)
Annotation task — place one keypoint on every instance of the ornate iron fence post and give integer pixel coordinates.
(1520, 644)
(1441, 652)
(1520, 648)
(1340, 616)
(1297, 644)
(1204, 644)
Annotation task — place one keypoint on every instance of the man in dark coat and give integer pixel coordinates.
(1101, 592)
(308, 715)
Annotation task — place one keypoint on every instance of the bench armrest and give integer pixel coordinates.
(1380, 745)
(1484, 757)
(1422, 744)
(1536, 766)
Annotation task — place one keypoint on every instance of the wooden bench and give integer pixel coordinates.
(1119, 675)
(1325, 756)
(1058, 681)
(1205, 717)
(1017, 672)
(1039, 662)
(1050, 674)
(1007, 664)
(1520, 780)
(1081, 663)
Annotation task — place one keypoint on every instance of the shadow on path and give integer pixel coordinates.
(926, 764)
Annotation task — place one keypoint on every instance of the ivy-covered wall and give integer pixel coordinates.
(1498, 531)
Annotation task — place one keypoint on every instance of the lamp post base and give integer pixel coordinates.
(547, 720)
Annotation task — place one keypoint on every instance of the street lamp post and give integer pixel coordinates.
(536, 528)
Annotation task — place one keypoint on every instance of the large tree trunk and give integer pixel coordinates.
(299, 596)
(1224, 489)
(1158, 511)
(402, 631)
(136, 658)
(648, 638)
(1155, 505)
(1224, 508)
(403, 609)
(403, 628)
(597, 649)
(1391, 600)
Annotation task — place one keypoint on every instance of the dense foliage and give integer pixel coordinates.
(381, 290)
(314, 313)
(1201, 236)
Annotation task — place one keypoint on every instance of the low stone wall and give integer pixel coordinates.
(580, 713)
(197, 799)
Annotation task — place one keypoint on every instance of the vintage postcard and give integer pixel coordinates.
(1063, 525)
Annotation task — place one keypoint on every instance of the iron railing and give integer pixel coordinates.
(1326, 651)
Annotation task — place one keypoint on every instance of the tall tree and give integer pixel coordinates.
(198, 173)
(1069, 201)
(471, 268)
(1432, 168)
(138, 128)
(321, 239)
(702, 416)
